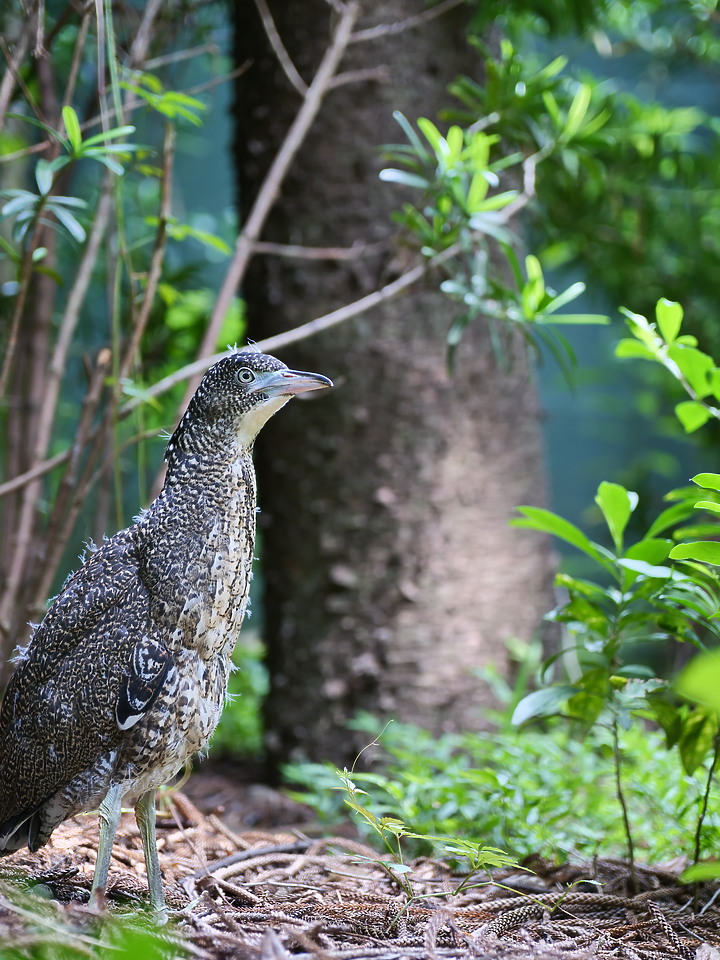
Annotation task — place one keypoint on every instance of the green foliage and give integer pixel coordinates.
(463, 208)
(49, 933)
(549, 789)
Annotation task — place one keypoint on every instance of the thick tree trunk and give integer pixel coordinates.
(390, 573)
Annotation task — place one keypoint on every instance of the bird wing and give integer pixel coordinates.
(93, 667)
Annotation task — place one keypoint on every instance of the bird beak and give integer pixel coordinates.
(280, 383)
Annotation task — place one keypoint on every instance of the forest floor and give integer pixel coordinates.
(246, 876)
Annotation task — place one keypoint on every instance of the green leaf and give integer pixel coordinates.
(697, 738)
(711, 481)
(542, 703)
(72, 127)
(391, 175)
(700, 680)
(651, 550)
(633, 350)
(669, 317)
(695, 367)
(578, 110)
(646, 569)
(692, 415)
(537, 518)
(707, 551)
(712, 506)
(699, 872)
(616, 504)
(586, 318)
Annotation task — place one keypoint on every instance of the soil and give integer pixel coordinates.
(248, 875)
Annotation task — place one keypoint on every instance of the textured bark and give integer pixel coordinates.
(390, 573)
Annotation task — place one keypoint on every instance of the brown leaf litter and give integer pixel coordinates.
(272, 895)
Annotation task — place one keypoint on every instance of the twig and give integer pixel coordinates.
(379, 74)
(706, 796)
(299, 846)
(271, 184)
(178, 55)
(297, 252)
(283, 57)
(392, 29)
(77, 55)
(7, 86)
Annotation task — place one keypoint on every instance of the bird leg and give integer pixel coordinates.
(109, 815)
(145, 816)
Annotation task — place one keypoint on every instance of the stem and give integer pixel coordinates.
(617, 759)
(706, 796)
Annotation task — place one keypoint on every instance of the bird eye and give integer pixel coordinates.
(245, 375)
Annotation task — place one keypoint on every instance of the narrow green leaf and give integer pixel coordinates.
(710, 505)
(586, 318)
(72, 127)
(391, 175)
(707, 551)
(669, 315)
(646, 569)
(578, 110)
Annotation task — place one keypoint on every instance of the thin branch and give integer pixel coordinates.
(283, 57)
(392, 29)
(379, 74)
(77, 56)
(9, 80)
(178, 55)
(296, 252)
(276, 174)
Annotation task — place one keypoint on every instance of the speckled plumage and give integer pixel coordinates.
(125, 678)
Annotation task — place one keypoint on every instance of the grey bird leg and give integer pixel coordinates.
(109, 815)
(145, 816)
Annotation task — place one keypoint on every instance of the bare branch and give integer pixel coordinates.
(9, 79)
(392, 29)
(178, 55)
(283, 57)
(271, 185)
(295, 252)
(380, 74)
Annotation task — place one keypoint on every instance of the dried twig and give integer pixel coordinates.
(392, 29)
(283, 57)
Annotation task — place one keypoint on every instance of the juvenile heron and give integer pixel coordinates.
(126, 676)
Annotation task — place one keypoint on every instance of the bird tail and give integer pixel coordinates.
(19, 831)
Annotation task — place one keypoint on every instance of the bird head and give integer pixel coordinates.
(235, 399)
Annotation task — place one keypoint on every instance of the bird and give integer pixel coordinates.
(125, 677)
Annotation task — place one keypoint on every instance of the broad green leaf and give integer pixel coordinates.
(699, 872)
(537, 518)
(669, 517)
(692, 415)
(707, 551)
(633, 349)
(700, 680)
(697, 738)
(695, 367)
(651, 550)
(646, 569)
(669, 315)
(710, 505)
(711, 481)
(542, 703)
(72, 127)
(616, 504)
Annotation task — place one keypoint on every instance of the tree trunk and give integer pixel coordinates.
(390, 573)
